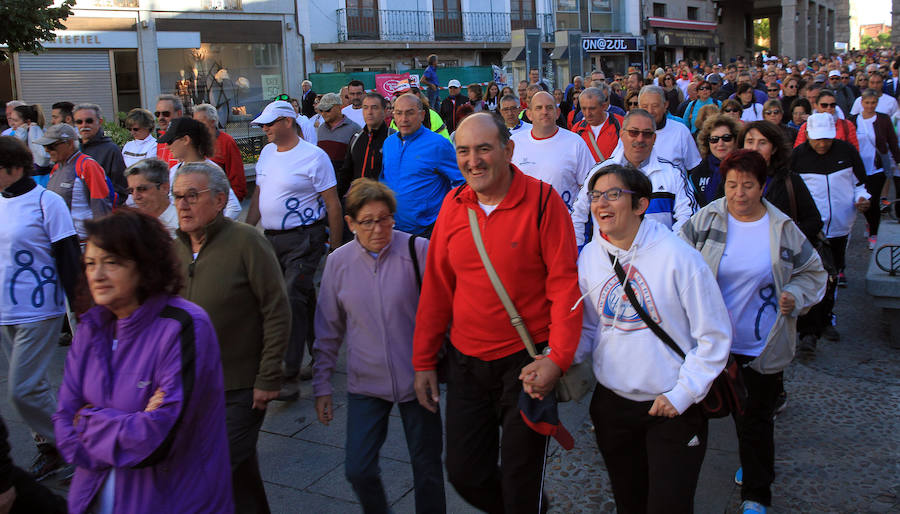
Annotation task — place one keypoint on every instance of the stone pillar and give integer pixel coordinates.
(822, 29)
(895, 23)
(788, 27)
(809, 22)
(148, 60)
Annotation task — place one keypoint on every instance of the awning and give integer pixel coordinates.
(516, 53)
(671, 23)
(560, 52)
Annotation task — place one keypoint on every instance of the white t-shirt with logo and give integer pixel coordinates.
(745, 279)
(562, 160)
(31, 222)
(356, 115)
(232, 208)
(675, 144)
(290, 184)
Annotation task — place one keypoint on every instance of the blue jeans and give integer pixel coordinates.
(434, 98)
(367, 423)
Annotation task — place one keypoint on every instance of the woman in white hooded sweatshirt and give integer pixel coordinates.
(650, 431)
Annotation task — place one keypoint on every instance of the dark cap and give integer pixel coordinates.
(180, 127)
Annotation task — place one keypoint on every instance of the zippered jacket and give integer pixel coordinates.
(171, 459)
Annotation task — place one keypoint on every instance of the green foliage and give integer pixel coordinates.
(762, 32)
(116, 130)
(248, 155)
(28, 22)
(882, 41)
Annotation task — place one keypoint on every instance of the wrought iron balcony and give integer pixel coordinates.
(397, 25)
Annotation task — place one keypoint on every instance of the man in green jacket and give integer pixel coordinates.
(231, 271)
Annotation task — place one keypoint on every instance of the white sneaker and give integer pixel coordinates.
(873, 242)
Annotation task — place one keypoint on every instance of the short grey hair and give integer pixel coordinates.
(208, 110)
(305, 82)
(177, 104)
(639, 113)
(652, 90)
(154, 170)
(510, 98)
(94, 107)
(596, 93)
(216, 178)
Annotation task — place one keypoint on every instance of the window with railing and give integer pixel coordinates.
(362, 19)
(522, 14)
(447, 20)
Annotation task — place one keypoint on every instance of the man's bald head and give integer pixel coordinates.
(409, 113)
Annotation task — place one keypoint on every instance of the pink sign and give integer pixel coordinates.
(386, 83)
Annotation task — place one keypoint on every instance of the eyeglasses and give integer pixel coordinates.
(611, 195)
(284, 96)
(635, 133)
(791, 86)
(135, 129)
(143, 189)
(773, 90)
(845, 77)
(381, 222)
(276, 120)
(772, 112)
(834, 78)
(509, 109)
(827, 105)
(703, 88)
(724, 137)
(632, 104)
(89, 121)
(191, 196)
(731, 109)
(164, 114)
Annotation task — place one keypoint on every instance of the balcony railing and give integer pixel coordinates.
(397, 25)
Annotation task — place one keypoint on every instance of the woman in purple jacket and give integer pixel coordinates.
(142, 408)
(368, 299)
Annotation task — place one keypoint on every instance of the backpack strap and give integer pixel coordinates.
(542, 202)
(415, 260)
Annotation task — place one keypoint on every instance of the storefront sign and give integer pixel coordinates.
(684, 38)
(271, 86)
(83, 39)
(592, 44)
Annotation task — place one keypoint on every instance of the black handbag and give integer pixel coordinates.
(728, 393)
(443, 365)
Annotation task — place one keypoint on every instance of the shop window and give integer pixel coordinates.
(238, 78)
(659, 10)
(693, 13)
(601, 6)
(128, 86)
(566, 5)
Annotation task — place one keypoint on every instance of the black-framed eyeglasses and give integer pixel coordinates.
(724, 137)
(276, 120)
(163, 114)
(633, 104)
(827, 105)
(611, 195)
(384, 221)
(283, 96)
(703, 88)
(144, 188)
(89, 121)
(191, 196)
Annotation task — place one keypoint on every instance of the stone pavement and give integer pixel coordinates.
(837, 444)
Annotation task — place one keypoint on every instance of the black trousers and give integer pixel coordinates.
(653, 462)
(482, 399)
(756, 433)
(874, 183)
(243, 423)
(820, 315)
(299, 251)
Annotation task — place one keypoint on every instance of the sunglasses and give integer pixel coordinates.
(135, 129)
(731, 110)
(285, 97)
(827, 105)
(632, 104)
(725, 137)
(635, 133)
(845, 77)
(703, 88)
(267, 125)
(164, 114)
(834, 78)
(88, 121)
(771, 113)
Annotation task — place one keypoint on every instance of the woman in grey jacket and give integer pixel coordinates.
(769, 274)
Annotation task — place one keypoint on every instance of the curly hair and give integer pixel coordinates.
(711, 123)
(132, 235)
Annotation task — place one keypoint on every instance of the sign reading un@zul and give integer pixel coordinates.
(611, 44)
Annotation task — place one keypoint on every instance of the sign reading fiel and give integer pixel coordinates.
(592, 44)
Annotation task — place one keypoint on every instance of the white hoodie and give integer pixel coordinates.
(679, 292)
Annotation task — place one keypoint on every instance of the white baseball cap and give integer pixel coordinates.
(834, 73)
(273, 111)
(820, 126)
(454, 83)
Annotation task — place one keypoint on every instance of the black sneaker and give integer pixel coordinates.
(807, 344)
(47, 463)
(831, 333)
(780, 403)
(842, 280)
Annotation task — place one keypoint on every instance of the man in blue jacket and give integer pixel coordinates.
(419, 166)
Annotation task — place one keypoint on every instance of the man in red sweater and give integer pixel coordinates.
(529, 238)
(598, 128)
(228, 155)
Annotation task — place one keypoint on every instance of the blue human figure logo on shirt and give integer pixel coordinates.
(307, 217)
(24, 260)
(767, 294)
(567, 199)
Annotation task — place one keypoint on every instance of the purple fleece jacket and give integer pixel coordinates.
(172, 459)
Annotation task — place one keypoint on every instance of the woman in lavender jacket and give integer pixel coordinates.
(368, 299)
(142, 408)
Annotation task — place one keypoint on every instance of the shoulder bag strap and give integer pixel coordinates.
(517, 322)
(652, 325)
(789, 185)
(593, 140)
(415, 261)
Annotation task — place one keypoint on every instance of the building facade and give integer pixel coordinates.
(681, 29)
(799, 28)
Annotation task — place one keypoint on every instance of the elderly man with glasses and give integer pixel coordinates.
(100, 147)
(148, 186)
